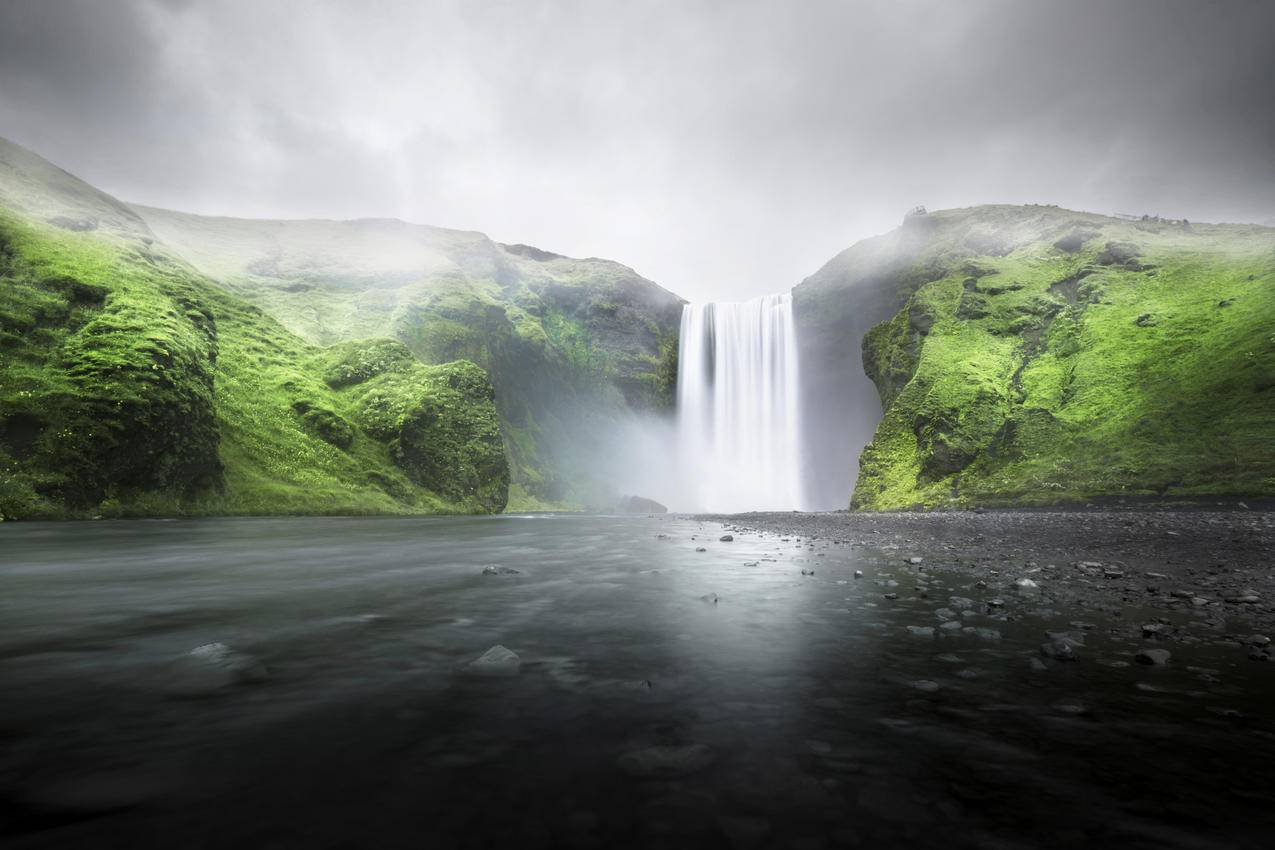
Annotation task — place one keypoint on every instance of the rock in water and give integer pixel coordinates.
(209, 668)
(497, 661)
(639, 505)
(666, 761)
(1155, 657)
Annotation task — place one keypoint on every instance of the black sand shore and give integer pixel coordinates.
(1217, 564)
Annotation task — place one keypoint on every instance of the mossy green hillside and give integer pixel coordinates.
(132, 385)
(571, 345)
(1042, 356)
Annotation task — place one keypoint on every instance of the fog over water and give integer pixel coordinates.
(725, 150)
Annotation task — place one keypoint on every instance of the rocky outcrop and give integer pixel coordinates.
(132, 385)
(1033, 355)
(570, 345)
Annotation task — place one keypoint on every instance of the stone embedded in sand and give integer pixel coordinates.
(497, 661)
(1154, 657)
(662, 762)
(1059, 649)
(726, 538)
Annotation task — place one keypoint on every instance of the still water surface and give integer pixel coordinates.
(666, 697)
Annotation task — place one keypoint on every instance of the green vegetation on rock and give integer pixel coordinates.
(1042, 356)
(132, 385)
(571, 346)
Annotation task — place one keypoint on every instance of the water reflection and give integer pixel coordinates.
(754, 694)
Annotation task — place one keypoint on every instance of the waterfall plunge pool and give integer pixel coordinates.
(666, 696)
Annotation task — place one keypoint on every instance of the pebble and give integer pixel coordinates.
(211, 667)
(726, 538)
(1154, 657)
(497, 570)
(858, 573)
(921, 631)
(1059, 650)
(497, 661)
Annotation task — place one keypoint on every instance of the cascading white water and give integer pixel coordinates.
(737, 406)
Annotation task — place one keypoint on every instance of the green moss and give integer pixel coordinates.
(129, 385)
(1139, 364)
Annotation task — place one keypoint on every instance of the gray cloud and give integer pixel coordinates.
(723, 149)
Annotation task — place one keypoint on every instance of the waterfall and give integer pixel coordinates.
(737, 406)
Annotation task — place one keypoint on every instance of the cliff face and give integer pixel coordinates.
(131, 384)
(570, 345)
(1033, 355)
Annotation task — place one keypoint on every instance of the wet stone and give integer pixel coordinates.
(495, 662)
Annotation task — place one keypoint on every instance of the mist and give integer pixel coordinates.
(723, 150)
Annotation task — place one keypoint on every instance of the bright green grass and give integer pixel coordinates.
(130, 385)
(1153, 380)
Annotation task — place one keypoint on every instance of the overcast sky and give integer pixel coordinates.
(723, 149)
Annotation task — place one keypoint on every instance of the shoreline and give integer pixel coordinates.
(1198, 563)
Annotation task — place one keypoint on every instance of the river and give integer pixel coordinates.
(754, 694)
